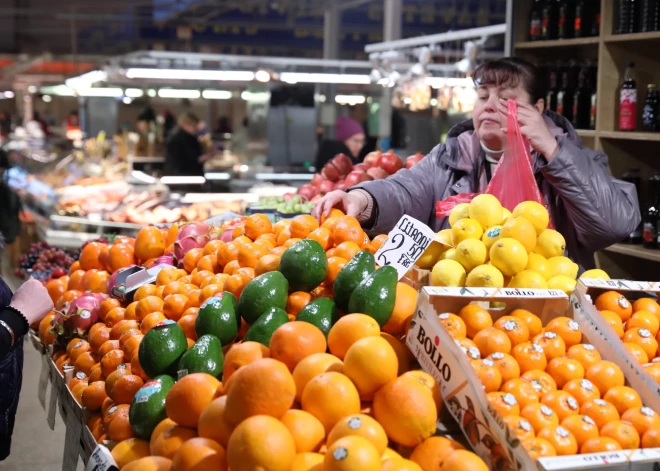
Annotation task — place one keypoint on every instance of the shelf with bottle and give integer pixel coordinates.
(559, 43)
(637, 17)
(635, 251)
(571, 22)
(633, 37)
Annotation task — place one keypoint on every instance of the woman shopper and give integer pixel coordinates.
(185, 156)
(590, 208)
(349, 140)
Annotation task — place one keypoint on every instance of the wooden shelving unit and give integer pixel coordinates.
(625, 149)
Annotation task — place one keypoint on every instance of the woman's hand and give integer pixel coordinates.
(533, 128)
(352, 204)
(32, 300)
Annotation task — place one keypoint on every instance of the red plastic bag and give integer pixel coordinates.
(444, 207)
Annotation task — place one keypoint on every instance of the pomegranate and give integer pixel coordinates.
(309, 191)
(330, 172)
(317, 180)
(362, 166)
(371, 158)
(326, 187)
(377, 173)
(341, 184)
(390, 162)
(343, 164)
(356, 177)
(413, 159)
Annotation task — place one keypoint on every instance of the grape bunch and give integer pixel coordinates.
(46, 262)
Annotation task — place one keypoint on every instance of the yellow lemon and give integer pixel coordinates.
(550, 243)
(539, 264)
(519, 228)
(562, 283)
(486, 210)
(486, 276)
(491, 235)
(595, 273)
(448, 255)
(471, 253)
(465, 229)
(444, 236)
(562, 266)
(529, 279)
(508, 256)
(505, 215)
(535, 213)
(431, 255)
(448, 273)
(459, 212)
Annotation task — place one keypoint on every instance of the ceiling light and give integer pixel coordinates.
(350, 99)
(9, 94)
(438, 82)
(216, 94)
(407, 100)
(182, 180)
(255, 96)
(133, 92)
(190, 74)
(151, 92)
(57, 90)
(32, 89)
(356, 79)
(87, 80)
(262, 76)
(47, 98)
(434, 102)
(375, 75)
(109, 92)
(127, 100)
(177, 93)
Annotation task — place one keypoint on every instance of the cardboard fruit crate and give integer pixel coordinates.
(463, 393)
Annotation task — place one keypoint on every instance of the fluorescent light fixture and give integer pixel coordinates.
(262, 76)
(178, 93)
(350, 99)
(9, 94)
(438, 82)
(217, 176)
(407, 100)
(32, 89)
(151, 92)
(143, 177)
(183, 180)
(190, 74)
(57, 90)
(434, 102)
(109, 92)
(47, 98)
(243, 168)
(216, 94)
(284, 176)
(127, 100)
(255, 96)
(133, 92)
(87, 80)
(356, 79)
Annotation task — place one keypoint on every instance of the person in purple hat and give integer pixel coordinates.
(349, 140)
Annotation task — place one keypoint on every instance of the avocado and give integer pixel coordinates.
(204, 357)
(262, 329)
(304, 265)
(161, 349)
(354, 272)
(321, 313)
(217, 317)
(375, 296)
(265, 291)
(148, 406)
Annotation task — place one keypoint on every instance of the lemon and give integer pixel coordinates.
(444, 236)
(449, 254)
(595, 273)
(508, 256)
(550, 243)
(486, 276)
(465, 229)
(519, 228)
(459, 212)
(448, 273)
(471, 253)
(431, 255)
(486, 210)
(505, 215)
(539, 264)
(529, 279)
(562, 266)
(562, 283)
(535, 213)
(491, 235)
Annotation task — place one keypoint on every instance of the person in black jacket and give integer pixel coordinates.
(10, 223)
(185, 155)
(349, 140)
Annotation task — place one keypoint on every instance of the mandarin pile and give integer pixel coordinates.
(556, 393)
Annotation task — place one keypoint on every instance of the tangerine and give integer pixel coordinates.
(186, 400)
(623, 432)
(615, 302)
(600, 411)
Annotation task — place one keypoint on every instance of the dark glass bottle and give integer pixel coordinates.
(628, 17)
(652, 213)
(628, 100)
(582, 100)
(583, 17)
(633, 176)
(565, 94)
(593, 110)
(551, 97)
(549, 19)
(649, 16)
(566, 21)
(595, 17)
(650, 120)
(535, 19)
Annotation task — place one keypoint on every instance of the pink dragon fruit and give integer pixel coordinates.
(82, 314)
(167, 259)
(191, 236)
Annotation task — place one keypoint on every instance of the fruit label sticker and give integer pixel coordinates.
(181, 374)
(150, 388)
(405, 244)
(101, 460)
(165, 322)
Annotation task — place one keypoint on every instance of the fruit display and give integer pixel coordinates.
(551, 387)
(489, 246)
(44, 262)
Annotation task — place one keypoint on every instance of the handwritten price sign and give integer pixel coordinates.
(405, 244)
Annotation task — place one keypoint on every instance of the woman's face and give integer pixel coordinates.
(488, 121)
(355, 144)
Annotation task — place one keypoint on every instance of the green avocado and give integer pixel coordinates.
(161, 349)
(321, 313)
(304, 265)
(148, 406)
(217, 317)
(265, 291)
(262, 329)
(376, 295)
(354, 272)
(204, 357)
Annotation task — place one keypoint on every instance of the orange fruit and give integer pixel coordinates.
(398, 464)
(507, 365)
(199, 277)
(561, 439)
(106, 306)
(350, 453)
(76, 281)
(96, 281)
(623, 432)
(192, 258)
(257, 225)
(533, 322)
(227, 253)
(303, 225)
(523, 391)
(129, 450)
(431, 453)
(119, 256)
(136, 369)
(362, 426)
(406, 411)
(147, 306)
(209, 291)
(249, 254)
(296, 301)
(323, 236)
(307, 431)
(504, 403)
(267, 263)
(585, 353)
(600, 445)
(348, 228)
(562, 403)
(465, 460)
(475, 319)
(330, 397)
(119, 427)
(529, 356)
(295, 341)
(335, 264)
(94, 395)
(107, 346)
(516, 329)
(246, 448)
(491, 340)
(582, 390)
(653, 370)
(565, 369)
(614, 321)
(615, 302)
(174, 305)
(291, 242)
(582, 427)
(111, 361)
(645, 320)
(283, 237)
(200, 453)
(651, 439)
(186, 400)
(242, 354)
(539, 416)
(600, 412)
(348, 330)
(623, 398)
(212, 247)
(187, 324)
(218, 279)
(85, 362)
(312, 366)
(98, 335)
(646, 304)
(403, 354)
(150, 320)
(149, 243)
(80, 347)
(470, 348)
(428, 382)
(145, 290)
(369, 363)
(121, 328)
(167, 276)
(118, 314)
(454, 324)
(637, 352)
(642, 418)
(347, 250)
(208, 263)
(235, 285)
(488, 374)
(552, 343)
(567, 329)
(605, 375)
(212, 423)
(168, 437)
(644, 338)
(89, 256)
(539, 448)
(521, 427)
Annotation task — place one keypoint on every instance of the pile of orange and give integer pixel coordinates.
(556, 393)
(637, 324)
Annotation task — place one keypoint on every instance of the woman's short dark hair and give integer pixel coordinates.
(510, 72)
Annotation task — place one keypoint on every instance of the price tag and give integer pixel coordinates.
(405, 244)
(52, 404)
(44, 379)
(71, 441)
(101, 460)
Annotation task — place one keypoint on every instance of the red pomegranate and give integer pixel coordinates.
(390, 162)
(413, 159)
